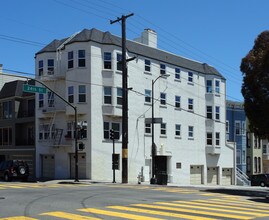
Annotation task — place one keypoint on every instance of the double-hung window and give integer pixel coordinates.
(107, 60)
(50, 66)
(209, 112)
(147, 65)
(147, 128)
(111, 125)
(217, 86)
(191, 132)
(209, 86)
(177, 101)
(119, 62)
(40, 100)
(190, 104)
(70, 59)
(163, 128)
(163, 98)
(147, 96)
(190, 77)
(107, 95)
(217, 113)
(7, 110)
(81, 93)
(81, 58)
(209, 138)
(71, 94)
(40, 67)
(237, 128)
(162, 69)
(217, 138)
(177, 130)
(119, 96)
(177, 73)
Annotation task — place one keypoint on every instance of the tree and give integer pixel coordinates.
(255, 87)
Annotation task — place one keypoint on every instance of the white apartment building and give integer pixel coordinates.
(84, 68)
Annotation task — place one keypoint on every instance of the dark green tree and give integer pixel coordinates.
(255, 87)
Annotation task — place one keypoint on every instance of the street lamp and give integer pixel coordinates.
(153, 146)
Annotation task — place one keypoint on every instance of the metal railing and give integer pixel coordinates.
(242, 177)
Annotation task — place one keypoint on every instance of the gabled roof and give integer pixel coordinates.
(14, 88)
(139, 49)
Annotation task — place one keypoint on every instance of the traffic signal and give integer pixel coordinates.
(111, 134)
(115, 161)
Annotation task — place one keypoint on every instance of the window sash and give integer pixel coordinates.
(147, 65)
(70, 59)
(107, 95)
(209, 138)
(177, 101)
(119, 96)
(147, 96)
(209, 86)
(107, 60)
(178, 130)
(163, 98)
(119, 61)
(162, 69)
(147, 128)
(190, 104)
(190, 133)
(81, 93)
(163, 128)
(190, 76)
(209, 112)
(81, 58)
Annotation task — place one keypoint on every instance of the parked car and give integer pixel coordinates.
(14, 169)
(260, 180)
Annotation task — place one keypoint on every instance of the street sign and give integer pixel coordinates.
(34, 89)
(155, 120)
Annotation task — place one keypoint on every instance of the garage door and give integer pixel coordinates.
(226, 176)
(196, 175)
(48, 166)
(212, 175)
(81, 166)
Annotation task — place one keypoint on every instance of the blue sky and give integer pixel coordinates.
(219, 33)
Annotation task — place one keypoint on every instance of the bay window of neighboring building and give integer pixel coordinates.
(209, 138)
(107, 60)
(217, 113)
(209, 86)
(81, 58)
(111, 125)
(119, 61)
(40, 67)
(147, 65)
(70, 59)
(217, 86)
(119, 96)
(81, 93)
(50, 67)
(209, 112)
(71, 94)
(147, 128)
(147, 96)
(5, 136)
(107, 95)
(217, 138)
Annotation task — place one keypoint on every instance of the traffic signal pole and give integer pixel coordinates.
(125, 99)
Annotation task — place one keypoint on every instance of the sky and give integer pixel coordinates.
(219, 33)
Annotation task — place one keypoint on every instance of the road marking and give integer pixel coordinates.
(18, 218)
(14, 186)
(199, 212)
(117, 214)
(207, 205)
(240, 202)
(213, 204)
(168, 214)
(67, 215)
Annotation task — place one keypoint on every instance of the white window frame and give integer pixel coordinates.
(237, 126)
(163, 129)
(111, 125)
(191, 132)
(50, 66)
(217, 87)
(147, 96)
(70, 94)
(190, 77)
(119, 96)
(209, 138)
(81, 57)
(217, 113)
(107, 95)
(209, 86)
(177, 102)
(119, 61)
(70, 60)
(82, 94)
(40, 67)
(148, 128)
(147, 65)
(107, 61)
(190, 104)
(217, 139)
(163, 98)
(177, 73)
(177, 130)
(209, 112)
(162, 69)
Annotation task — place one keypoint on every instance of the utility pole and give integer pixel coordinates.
(124, 98)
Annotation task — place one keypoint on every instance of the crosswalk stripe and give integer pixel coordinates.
(239, 202)
(14, 186)
(168, 214)
(242, 217)
(117, 214)
(18, 218)
(220, 206)
(213, 209)
(67, 215)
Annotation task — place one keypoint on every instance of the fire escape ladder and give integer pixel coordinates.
(58, 136)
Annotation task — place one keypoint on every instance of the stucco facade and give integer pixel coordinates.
(191, 144)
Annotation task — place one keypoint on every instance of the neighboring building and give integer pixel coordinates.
(254, 153)
(84, 68)
(265, 155)
(236, 131)
(4, 78)
(17, 124)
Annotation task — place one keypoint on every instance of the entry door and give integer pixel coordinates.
(48, 166)
(212, 175)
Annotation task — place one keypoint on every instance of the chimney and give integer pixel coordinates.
(148, 37)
